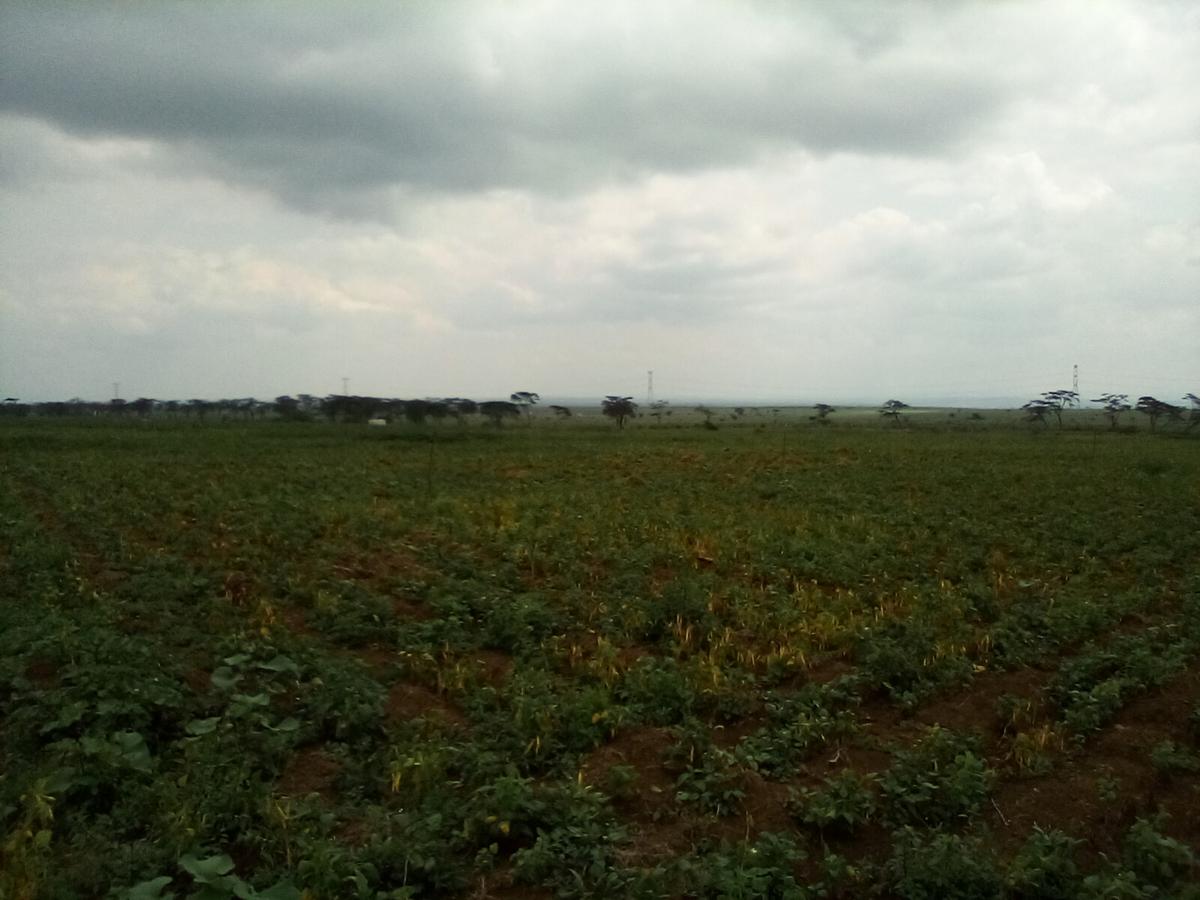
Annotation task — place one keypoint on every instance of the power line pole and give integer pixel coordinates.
(1075, 382)
(649, 387)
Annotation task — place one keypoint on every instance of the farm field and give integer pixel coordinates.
(768, 660)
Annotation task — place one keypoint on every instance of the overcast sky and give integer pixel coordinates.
(804, 201)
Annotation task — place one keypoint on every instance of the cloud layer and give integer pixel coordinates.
(779, 199)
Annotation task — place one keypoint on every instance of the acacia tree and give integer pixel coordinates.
(1194, 412)
(1114, 405)
(525, 401)
(562, 412)
(1050, 402)
(892, 409)
(618, 408)
(1154, 408)
(823, 410)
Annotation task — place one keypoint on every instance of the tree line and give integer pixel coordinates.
(1114, 406)
(381, 410)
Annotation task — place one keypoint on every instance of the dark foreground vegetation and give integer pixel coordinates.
(284, 659)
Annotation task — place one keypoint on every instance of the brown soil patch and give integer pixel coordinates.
(199, 680)
(295, 621)
(640, 749)
(494, 665)
(404, 608)
(411, 701)
(376, 657)
(849, 758)
(42, 673)
(237, 587)
(353, 833)
(309, 771)
(1072, 798)
(974, 707)
(827, 670)
(106, 579)
(764, 808)
(397, 561)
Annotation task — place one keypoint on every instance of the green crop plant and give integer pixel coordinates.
(1170, 758)
(840, 805)
(942, 866)
(1091, 688)
(343, 661)
(942, 780)
(762, 869)
(1151, 865)
(1045, 868)
(711, 781)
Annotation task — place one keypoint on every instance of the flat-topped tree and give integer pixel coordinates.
(1051, 402)
(525, 401)
(1153, 408)
(618, 408)
(822, 412)
(1114, 405)
(892, 409)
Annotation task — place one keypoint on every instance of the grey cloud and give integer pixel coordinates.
(326, 108)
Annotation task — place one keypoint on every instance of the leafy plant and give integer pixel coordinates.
(941, 866)
(939, 781)
(712, 782)
(762, 870)
(214, 878)
(1155, 858)
(845, 802)
(1170, 758)
(1044, 868)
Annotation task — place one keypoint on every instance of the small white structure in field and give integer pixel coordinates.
(376, 421)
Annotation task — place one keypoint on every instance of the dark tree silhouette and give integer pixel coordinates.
(1050, 402)
(418, 411)
(1154, 408)
(525, 400)
(561, 411)
(496, 411)
(288, 407)
(823, 410)
(1114, 405)
(892, 409)
(618, 408)
(1194, 412)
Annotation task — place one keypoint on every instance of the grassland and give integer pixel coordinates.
(768, 660)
